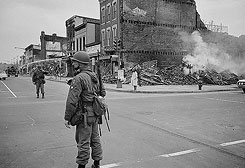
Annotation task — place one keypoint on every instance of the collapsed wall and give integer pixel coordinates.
(150, 29)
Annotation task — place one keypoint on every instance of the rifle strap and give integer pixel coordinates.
(107, 124)
(100, 130)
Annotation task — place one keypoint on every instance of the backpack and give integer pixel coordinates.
(99, 105)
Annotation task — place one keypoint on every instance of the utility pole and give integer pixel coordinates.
(119, 45)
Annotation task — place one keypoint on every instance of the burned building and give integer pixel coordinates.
(148, 29)
(52, 46)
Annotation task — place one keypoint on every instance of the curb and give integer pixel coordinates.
(158, 92)
(172, 92)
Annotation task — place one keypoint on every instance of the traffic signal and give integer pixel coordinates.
(115, 44)
(119, 44)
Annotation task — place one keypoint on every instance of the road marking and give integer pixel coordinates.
(181, 153)
(9, 89)
(173, 154)
(33, 121)
(232, 143)
(111, 165)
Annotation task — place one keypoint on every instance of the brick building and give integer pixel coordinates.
(148, 29)
(52, 46)
(32, 53)
(83, 34)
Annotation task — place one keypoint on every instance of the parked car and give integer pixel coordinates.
(241, 84)
(3, 75)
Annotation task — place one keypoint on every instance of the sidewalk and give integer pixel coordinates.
(160, 88)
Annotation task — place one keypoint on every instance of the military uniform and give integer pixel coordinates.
(39, 81)
(81, 91)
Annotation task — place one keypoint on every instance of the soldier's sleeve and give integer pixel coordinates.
(73, 98)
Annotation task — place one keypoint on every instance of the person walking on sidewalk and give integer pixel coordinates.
(134, 79)
(38, 79)
(79, 99)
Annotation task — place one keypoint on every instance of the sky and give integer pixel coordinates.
(21, 21)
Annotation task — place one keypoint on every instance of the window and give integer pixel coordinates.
(73, 45)
(84, 43)
(114, 32)
(103, 37)
(80, 39)
(108, 30)
(114, 8)
(103, 15)
(77, 44)
(108, 12)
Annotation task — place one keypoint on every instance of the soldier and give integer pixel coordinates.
(80, 98)
(38, 80)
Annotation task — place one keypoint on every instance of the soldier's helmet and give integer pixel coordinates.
(81, 57)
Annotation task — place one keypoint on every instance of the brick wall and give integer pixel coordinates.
(150, 29)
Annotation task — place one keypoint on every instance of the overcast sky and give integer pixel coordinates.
(21, 21)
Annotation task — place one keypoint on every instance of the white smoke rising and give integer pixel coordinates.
(209, 56)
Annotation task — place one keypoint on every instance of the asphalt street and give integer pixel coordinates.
(185, 130)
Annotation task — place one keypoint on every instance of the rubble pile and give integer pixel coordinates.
(112, 79)
(174, 75)
(223, 78)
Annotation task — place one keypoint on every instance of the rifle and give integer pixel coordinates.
(100, 82)
(100, 93)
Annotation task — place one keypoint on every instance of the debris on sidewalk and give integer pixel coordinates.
(174, 75)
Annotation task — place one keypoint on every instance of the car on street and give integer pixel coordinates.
(241, 84)
(3, 76)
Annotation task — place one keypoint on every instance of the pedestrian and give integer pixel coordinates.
(134, 79)
(138, 70)
(38, 79)
(79, 99)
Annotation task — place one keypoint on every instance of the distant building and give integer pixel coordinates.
(32, 54)
(83, 34)
(144, 30)
(52, 46)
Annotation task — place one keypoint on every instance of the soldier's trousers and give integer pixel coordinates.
(86, 137)
(38, 87)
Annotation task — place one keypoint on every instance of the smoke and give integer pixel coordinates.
(209, 56)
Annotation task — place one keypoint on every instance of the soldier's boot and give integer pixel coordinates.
(96, 164)
(37, 95)
(81, 166)
(42, 95)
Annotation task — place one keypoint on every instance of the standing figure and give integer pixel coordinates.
(38, 80)
(138, 70)
(80, 103)
(134, 79)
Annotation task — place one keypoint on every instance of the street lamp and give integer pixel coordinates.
(17, 63)
(19, 48)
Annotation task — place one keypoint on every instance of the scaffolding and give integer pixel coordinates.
(216, 28)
